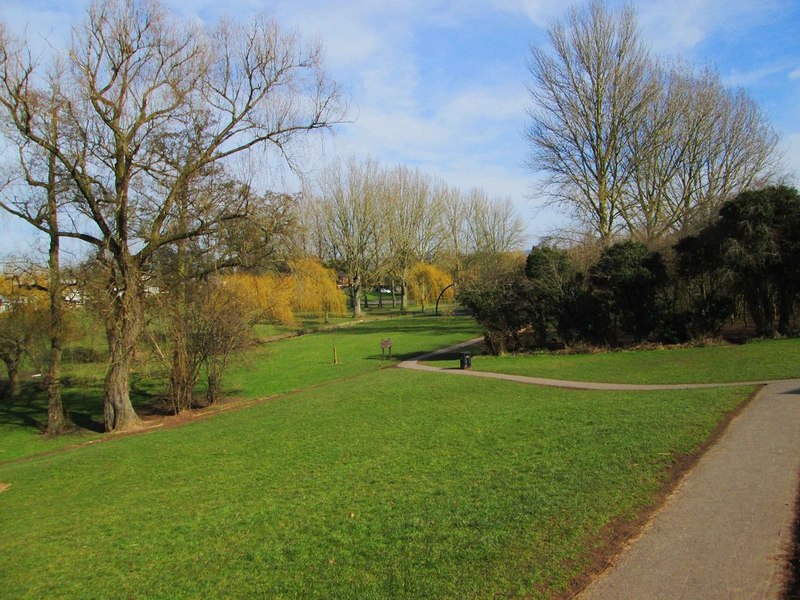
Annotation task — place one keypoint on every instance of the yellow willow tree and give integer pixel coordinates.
(426, 282)
(315, 289)
(221, 312)
(268, 295)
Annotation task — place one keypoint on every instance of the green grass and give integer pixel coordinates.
(311, 322)
(392, 484)
(755, 361)
(23, 420)
(264, 370)
(21, 423)
(308, 360)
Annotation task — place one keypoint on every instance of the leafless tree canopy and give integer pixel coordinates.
(630, 145)
(376, 223)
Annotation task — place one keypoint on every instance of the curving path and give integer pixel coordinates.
(726, 529)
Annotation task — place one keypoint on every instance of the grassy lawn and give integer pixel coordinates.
(755, 361)
(308, 360)
(264, 370)
(392, 484)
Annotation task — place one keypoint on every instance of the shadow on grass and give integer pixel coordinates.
(14, 412)
(29, 410)
(83, 401)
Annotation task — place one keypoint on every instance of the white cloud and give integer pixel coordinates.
(488, 104)
(675, 27)
(540, 12)
(795, 74)
(678, 27)
(738, 78)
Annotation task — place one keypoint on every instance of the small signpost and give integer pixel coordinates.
(386, 345)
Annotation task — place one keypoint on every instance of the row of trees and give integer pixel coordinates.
(376, 224)
(634, 145)
(742, 268)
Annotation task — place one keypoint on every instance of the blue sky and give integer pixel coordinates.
(441, 85)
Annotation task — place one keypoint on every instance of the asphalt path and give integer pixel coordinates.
(726, 530)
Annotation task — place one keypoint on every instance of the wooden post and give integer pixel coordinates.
(386, 344)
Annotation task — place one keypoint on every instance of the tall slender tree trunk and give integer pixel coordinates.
(181, 377)
(355, 286)
(123, 329)
(57, 420)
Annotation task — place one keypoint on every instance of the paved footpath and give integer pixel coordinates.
(726, 530)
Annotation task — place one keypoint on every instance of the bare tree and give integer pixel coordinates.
(350, 200)
(656, 150)
(588, 94)
(413, 223)
(492, 224)
(475, 225)
(630, 145)
(150, 105)
(698, 145)
(729, 147)
(456, 244)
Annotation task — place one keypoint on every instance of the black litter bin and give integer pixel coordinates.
(466, 360)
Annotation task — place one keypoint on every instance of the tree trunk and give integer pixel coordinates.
(785, 310)
(182, 374)
(214, 386)
(123, 328)
(180, 377)
(355, 286)
(57, 420)
(403, 297)
(215, 368)
(762, 309)
(118, 411)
